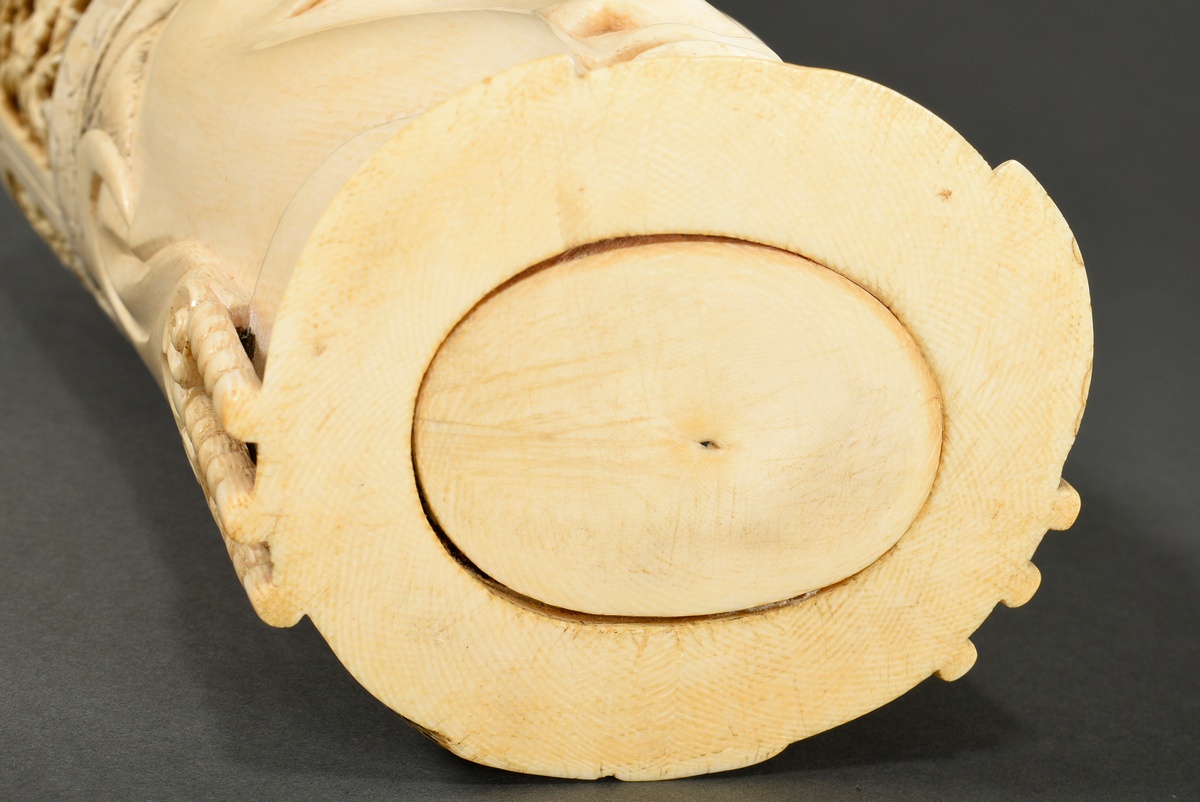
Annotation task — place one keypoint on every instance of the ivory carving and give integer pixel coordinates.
(614, 398)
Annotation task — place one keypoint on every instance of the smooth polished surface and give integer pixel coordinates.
(680, 428)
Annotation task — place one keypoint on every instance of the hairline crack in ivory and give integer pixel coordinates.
(614, 398)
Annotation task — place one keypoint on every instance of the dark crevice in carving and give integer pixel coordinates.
(249, 343)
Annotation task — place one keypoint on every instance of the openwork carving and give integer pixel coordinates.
(33, 36)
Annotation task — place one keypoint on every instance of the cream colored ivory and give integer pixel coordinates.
(623, 401)
(681, 411)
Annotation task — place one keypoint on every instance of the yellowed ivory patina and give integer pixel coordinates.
(614, 398)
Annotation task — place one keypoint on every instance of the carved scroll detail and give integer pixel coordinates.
(212, 386)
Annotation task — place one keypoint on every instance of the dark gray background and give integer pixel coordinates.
(132, 667)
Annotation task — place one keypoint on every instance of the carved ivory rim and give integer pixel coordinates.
(818, 163)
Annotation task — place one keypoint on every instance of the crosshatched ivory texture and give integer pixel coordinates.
(615, 399)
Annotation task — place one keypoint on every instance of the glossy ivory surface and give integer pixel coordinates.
(622, 401)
